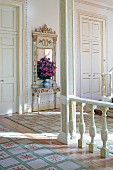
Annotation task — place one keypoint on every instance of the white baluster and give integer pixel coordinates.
(92, 131)
(103, 84)
(81, 142)
(72, 119)
(104, 133)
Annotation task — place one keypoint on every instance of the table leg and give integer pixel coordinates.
(55, 100)
(38, 102)
(33, 96)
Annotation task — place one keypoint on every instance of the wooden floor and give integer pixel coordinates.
(89, 160)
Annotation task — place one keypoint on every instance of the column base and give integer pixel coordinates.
(81, 143)
(20, 104)
(66, 138)
(104, 152)
(92, 147)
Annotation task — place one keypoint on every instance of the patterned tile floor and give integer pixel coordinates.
(18, 152)
(48, 125)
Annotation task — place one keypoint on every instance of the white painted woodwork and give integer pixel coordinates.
(81, 142)
(92, 130)
(104, 133)
(8, 67)
(90, 45)
(8, 18)
(72, 119)
(104, 151)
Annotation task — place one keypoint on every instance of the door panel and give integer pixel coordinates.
(8, 41)
(86, 67)
(90, 57)
(7, 93)
(86, 87)
(96, 63)
(96, 72)
(7, 73)
(85, 29)
(7, 60)
(96, 30)
(96, 88)
(8, 18)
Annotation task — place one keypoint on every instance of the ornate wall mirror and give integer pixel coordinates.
(44, 45)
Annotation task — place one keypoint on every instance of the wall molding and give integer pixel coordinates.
(13, 2)
(96, 4)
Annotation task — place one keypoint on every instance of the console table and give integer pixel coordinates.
(38, 90)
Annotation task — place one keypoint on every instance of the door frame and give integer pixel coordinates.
(104, 65)
(20, 5)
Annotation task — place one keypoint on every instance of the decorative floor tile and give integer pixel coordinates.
(26, 156)
(39, 163)
(2, 129)
(55, 158)
(43, 151)
(24, 141)
(68, 165)
(51, 168)
(3, 154)
(33, 146)
(18, 167)
(8, 162)
(9, 145)
(2, 140)
(40, 157)
(17, 150)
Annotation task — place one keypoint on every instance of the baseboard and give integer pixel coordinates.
(45, 107)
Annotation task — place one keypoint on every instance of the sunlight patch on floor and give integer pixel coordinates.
(12, 135)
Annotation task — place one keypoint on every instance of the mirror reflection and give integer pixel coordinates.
(44, 53)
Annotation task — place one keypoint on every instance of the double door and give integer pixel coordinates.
(91, 57)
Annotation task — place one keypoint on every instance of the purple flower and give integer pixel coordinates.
(45, 68)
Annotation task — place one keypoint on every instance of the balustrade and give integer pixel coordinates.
(104, 106)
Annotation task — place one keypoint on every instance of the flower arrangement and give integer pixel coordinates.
(45, 68)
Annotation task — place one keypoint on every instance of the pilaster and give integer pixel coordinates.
(67, 67)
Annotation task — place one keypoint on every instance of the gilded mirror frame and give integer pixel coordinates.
(44, 38)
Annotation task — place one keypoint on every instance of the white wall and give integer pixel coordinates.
(39, 13)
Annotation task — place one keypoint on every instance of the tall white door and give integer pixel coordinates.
(91, 51)
(8, 57)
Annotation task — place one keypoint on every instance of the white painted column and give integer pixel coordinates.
(67, 69)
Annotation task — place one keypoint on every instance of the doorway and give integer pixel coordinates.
(11, 57)
(91, 56)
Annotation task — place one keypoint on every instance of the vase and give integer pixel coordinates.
(46, 83)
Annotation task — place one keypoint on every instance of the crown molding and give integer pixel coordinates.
(97, 4)
(12, 1)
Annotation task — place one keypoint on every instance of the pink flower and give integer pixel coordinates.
(45, 68)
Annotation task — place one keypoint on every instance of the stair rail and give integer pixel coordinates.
(104, 106)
